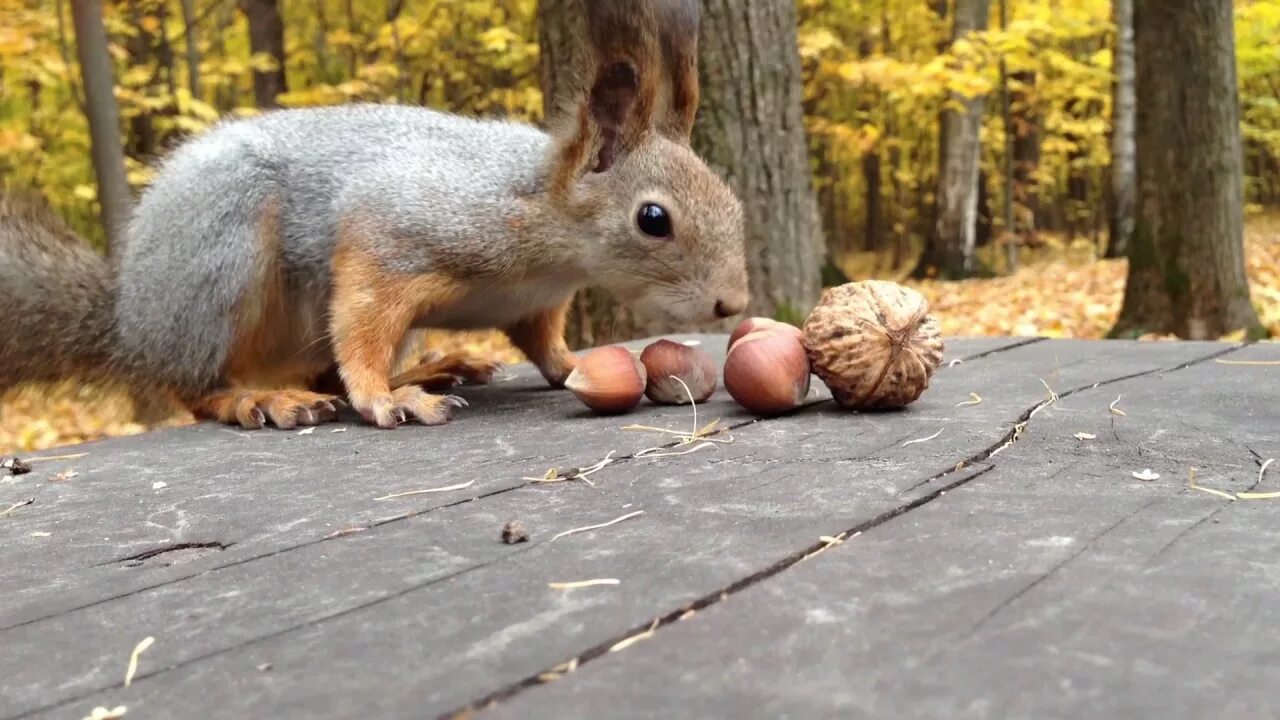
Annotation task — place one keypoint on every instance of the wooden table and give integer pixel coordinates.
(957, 559)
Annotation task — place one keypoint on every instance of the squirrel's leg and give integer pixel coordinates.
(541, 338)
(370, 313)
(447, 371)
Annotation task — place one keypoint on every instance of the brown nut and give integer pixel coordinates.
(668, 364)
(756, 324)
(609, 380)
(873, 343)
(767, 372)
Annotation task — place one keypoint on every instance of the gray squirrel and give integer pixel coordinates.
(271, 252)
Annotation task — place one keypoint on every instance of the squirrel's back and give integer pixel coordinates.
(55, 295)
(275, 189)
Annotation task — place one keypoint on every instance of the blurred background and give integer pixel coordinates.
(990, 153)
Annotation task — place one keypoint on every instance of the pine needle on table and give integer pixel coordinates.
(583, 583)
(624, 644)
(428, 491)
(1115, 410)
(923, 439)
(589, 528)
(133, 659)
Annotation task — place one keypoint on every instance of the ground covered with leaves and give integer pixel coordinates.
(1062, 291)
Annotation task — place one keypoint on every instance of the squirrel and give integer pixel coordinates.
(273, 254)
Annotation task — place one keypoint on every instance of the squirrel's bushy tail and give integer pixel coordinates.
(56, 298)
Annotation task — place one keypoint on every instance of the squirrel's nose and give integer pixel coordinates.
(728, 307)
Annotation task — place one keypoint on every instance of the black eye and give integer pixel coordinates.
(654, 221)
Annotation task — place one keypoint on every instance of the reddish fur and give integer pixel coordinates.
(447, 371)
(541, 338)
(371, 310)
(265, 369)
(285, 408)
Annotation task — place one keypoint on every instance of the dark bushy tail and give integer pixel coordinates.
(56, 298)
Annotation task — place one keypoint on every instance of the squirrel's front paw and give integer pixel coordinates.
(391, 409)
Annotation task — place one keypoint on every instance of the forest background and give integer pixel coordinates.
(987, 152)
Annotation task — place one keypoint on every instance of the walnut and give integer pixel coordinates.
(873, 343)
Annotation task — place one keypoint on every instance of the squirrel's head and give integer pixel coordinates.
(668, 234)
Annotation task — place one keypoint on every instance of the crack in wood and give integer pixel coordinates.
(139, 558)
(1222, 507)
(600, 649)
(718, 596)
(1004, 604)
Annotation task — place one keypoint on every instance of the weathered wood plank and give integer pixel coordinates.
(216, 481)
(340, 620)
(1055, 586)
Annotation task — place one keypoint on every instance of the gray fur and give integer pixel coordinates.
(55, 296)
(433, 193)
(421, 191)
(437, 186)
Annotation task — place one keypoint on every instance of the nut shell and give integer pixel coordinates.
(609, 380)
(767, 372)
(665, 360)
(756, 324)
(873, 343)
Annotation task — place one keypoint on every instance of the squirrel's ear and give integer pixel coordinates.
(611, 104)
(627, 64)
(642, 78)
(678, 25)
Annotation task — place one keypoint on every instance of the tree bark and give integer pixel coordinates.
(141, 144)
(1124, 181)
(1026, 156)
(103, 113)
(752, 131)
(193, 47)
(949, 247)
(1008, 201)
(749, 130)
(1186, 254)
(873, 232)
(266, 35)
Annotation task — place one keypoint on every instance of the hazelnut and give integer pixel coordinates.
(767, 372)
(668, 364)
(609, 380)
(755, 324)
(873, 343)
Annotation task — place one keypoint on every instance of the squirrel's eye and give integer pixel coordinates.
(654, 221)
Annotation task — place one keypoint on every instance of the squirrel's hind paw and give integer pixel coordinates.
(285, 409)
(399, 405)
(445, 372)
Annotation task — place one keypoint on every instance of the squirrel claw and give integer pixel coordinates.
(390, 411)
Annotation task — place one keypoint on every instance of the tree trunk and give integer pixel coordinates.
(949, 246)
(141, 144)
(1010, 180)
(104, 120)
(266, 35)
(1124, 181)
(193, 47)
(1026, 156)
(1186, 254)
(749, 130)
(873, 232)
(873, 235)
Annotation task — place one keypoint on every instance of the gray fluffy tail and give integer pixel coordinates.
(56, 298)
